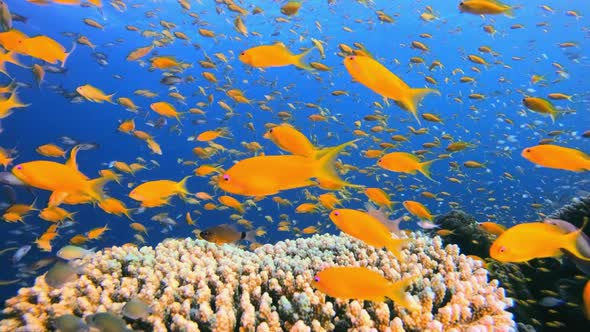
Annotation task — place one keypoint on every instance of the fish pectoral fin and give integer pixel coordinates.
(56, 198)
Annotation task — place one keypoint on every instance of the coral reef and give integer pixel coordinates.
(193, 285)
(574, 212)
(530, 283)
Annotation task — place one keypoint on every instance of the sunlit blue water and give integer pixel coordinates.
(485, 193)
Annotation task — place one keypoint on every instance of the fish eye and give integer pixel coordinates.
(336, 213)
(204, 233)
(316, 279)
(527, 150)
(243, 53)
(270, 131)
(350, 58)
(502, 249)
(461, 4)
(379, 161)
(19, 167)
(225, 177)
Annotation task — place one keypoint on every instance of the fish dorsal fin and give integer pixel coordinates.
(71, 163)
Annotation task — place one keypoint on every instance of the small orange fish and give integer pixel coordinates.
(157, 193)
(291, 140)
(361, 283)
(418, 209)
(492, 227)
(368, 229)
(404, 162)
(586, 298)
(93, 94)
(277, 55)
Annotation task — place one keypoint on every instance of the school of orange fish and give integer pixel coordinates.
(304, 164)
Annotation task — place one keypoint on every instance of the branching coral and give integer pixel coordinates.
(193, 285)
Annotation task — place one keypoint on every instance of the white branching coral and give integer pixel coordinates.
(194, 285)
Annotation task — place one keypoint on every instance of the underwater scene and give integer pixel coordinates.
(313, 165)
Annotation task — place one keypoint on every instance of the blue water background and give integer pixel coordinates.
(454, 37)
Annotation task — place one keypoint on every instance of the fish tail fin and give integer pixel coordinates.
(570, 242)
(71, 163)
(127, 213)
(15, 101)
(395, 246)
(67, 55)
(249, 236)
(326, 173)
(554, 114)
(109, 98)
(424, 168)
(95, 188)
(182, 191)
(413, 99)
(397, 293)
(509, 12)
(298, 59)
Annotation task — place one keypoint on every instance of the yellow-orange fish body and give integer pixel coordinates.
(378, 78)
(558, 157)
(527, 241)
(361, 283)
(277, 55)
(368, 229)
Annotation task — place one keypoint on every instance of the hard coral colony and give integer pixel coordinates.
(258, 79)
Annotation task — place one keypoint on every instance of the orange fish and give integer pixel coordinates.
(404, 162)
(492, 227)
(368, 229)
(8, 105)
(277, 55)
(61, 179)
(291, 140)
(418, 209)
(527, 241)
(361, 283)
(378, 78)
(268, 175)
(559, 157)
(44, 48)
(586, 298)
(157, 193)
(93, 94)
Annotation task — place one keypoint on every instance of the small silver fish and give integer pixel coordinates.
(20, 253)
(427, 225)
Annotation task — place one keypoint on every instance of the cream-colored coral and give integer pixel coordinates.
(194, 285)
